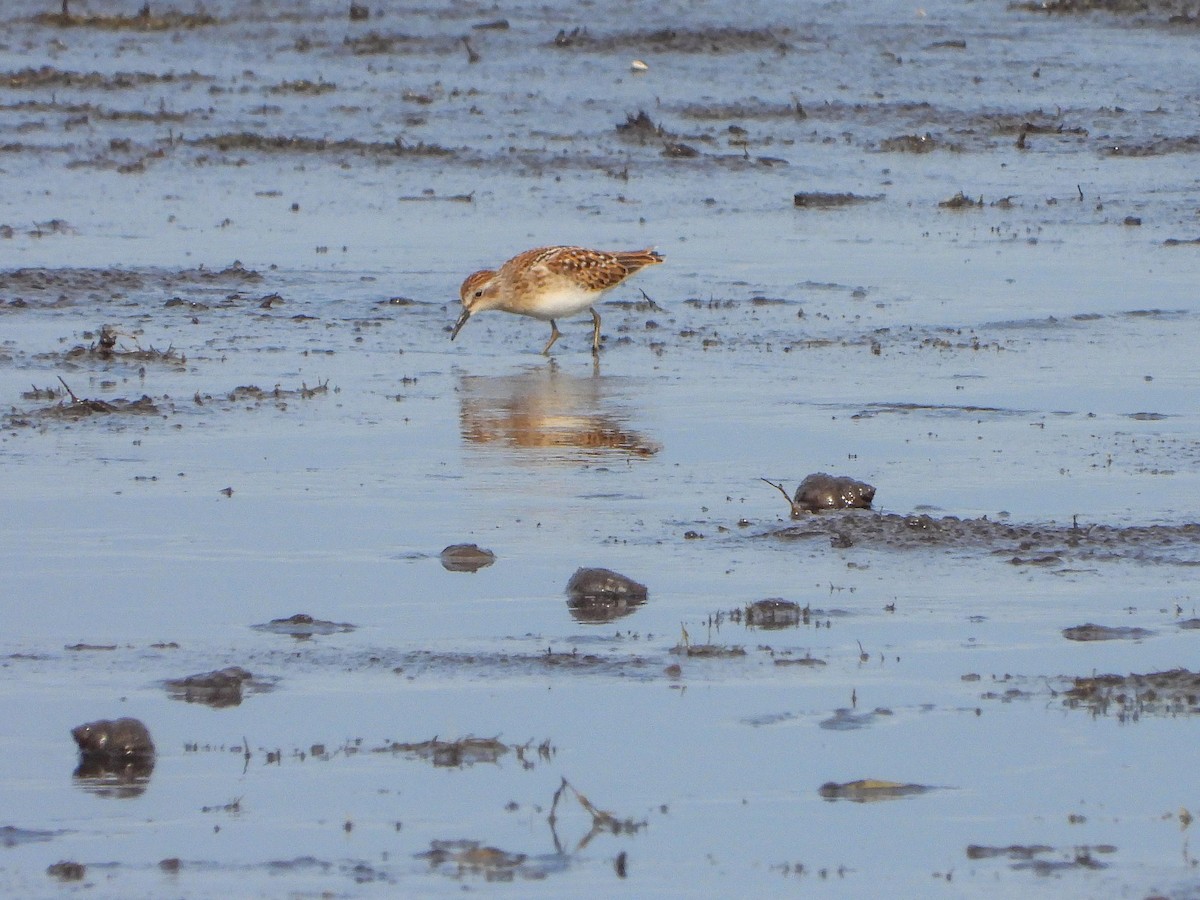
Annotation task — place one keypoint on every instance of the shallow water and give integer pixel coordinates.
(1031, 362)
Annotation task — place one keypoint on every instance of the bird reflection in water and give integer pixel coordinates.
(545, 409)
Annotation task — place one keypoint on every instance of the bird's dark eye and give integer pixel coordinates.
(479, 293)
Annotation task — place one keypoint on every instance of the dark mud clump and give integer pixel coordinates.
(677, 40)
(596, 596)
(457, 754)
(105, 348)
(116, 757)
(641, 128)
(487, 665)
(11, 836)
(1028, 857)
(461, 857)
(302, 625)
(466, 558)
(67, 871)
(909, 143)
(708, 651)
(1174, 692)
(845, 719)
(1046, 544)
(113, 739)
(774, 613)
(961, 201)
(870, 789)
(219, 689)
(260, 143)
(145, 20)
(76, 408)
(820, 491)
(822, 200)
(1090, 632)
(48, 77)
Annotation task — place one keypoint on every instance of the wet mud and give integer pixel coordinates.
(218, 689)
(1047, 544)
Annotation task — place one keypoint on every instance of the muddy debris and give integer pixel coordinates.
(247, 141)
(458, 858)
(466, 558)
(868, 790)
(219, 689)
(76, 408)
(67, 870)
(823, 200)
(677, 40)
(961, 201)
(846, 719)
(1028, 857)
(144, 20)
(808, 662)
(819, 491)
(48, 77)
(422, 662)
(596, 595)
(303, 626)
(116, 757)
(116, 739)
(707, 651)
(774, 613)
(459, 754)
(1161, 544)
(11, 836)
(603, 822)
(1090, 632)
(252, 393)
(104, 347)
(909, 143)
(1173, 692)
(641, 127)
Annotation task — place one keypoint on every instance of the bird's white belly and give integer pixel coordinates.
(561, 302)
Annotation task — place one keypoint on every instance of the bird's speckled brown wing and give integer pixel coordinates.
(597, 270)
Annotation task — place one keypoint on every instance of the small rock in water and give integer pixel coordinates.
(113, 739)
(601, 595)
(821, 491)
(466, 558)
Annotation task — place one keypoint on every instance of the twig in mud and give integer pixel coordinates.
(601, 820)
(70, 392)
(472, 56)
(654, 306)
(796, 510)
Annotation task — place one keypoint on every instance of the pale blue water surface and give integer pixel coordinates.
(1036, 362)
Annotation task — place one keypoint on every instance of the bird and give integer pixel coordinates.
(548, 283)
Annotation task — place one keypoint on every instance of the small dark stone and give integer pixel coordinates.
(113, 739)
(601, 595)
(466, 558)
(821, 491)
(67, 871)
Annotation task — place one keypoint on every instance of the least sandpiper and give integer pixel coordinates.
(551, 282)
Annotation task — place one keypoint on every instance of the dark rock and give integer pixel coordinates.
(219, 689)
(820, 491)
(602, 595)
(113, 739)
(466, 558)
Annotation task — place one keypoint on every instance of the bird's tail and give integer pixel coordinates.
(639, 259)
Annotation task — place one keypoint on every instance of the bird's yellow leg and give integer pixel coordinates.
(595, 332)
(554, 333)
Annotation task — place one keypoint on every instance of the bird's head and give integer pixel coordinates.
(478, 292)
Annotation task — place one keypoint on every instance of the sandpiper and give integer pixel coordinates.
(551, 282)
